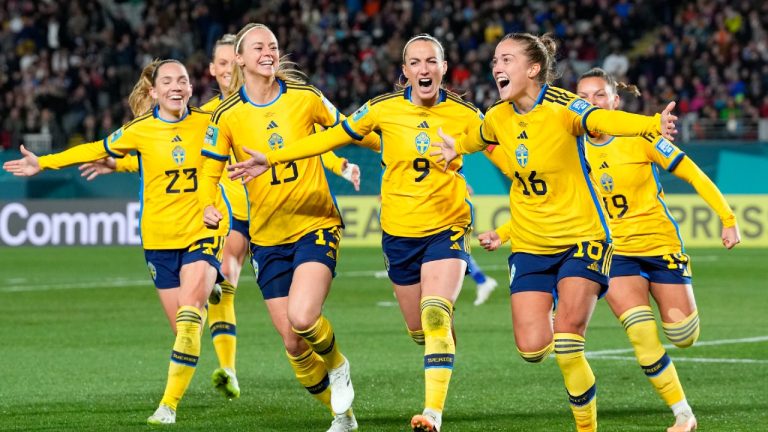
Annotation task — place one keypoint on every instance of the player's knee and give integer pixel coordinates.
(536, 355)
(417, 336)
(683, 333)
(435, 314)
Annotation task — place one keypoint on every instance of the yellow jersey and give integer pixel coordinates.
(234, 189)
(418, 198)
(294, 198)
(554, 202)
(627, 172)
(169, 161)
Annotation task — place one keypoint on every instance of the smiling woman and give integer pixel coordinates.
(182, 255)
(426, 214)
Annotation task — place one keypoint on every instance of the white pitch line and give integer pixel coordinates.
(699, 343)
(120, 283)
(684, 359)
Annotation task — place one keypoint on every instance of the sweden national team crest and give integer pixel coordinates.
(606, 182)
(422, 142)
(275, 141)
(255, 265)
(179, 155)
(521, 154)
(152, 270)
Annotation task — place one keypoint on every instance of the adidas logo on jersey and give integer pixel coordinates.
(176, 139)
(271, 125)
(423, 125)
(594, 267)
(455, 246)
(522, 135)
(604, 165)
(329, 254)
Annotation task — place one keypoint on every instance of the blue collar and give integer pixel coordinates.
(539, 98)
(441, 97)
(156, 114)
(283, 89)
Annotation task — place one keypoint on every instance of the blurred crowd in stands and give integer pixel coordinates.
(67, 67)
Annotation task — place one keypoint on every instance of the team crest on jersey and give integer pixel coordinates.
(422, 142)
(179, 154)
(115, 136)
(211, 135)
(665, 147)
(579, 106)
(152, 270)
(275, 141)
(606, 182)
(521, 154)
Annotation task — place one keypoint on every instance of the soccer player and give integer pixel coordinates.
(294, 225)
(560, 237)
(426, 214)
(182, 255)
(649, 256)
(221, 316)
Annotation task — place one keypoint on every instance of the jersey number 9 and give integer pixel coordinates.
(421, 165)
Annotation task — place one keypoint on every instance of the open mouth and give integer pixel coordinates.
(425, 82)
(502, 82)
(175, 97)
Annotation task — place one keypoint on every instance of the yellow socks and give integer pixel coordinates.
(537, 356)
(640, 325)
(439, 350)
(311, 372)
(186, 351)
(322, 340)
(223, 326)
(683, 333)
(579, 380)
(417, 336)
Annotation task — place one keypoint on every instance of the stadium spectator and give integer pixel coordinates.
(84, 42)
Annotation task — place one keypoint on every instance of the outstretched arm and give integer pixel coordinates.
(690, 172)
(620, 123)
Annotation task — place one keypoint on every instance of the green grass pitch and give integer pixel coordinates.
(85, 347)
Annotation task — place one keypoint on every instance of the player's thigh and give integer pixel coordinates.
(626, 292)
(409, 299)
(278, 313)
(443, 278)
(532, 319)
(235, 250)
(309, 288)
(577, 297)
(675, 301)
(197, 280)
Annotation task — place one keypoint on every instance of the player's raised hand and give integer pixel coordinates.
(447, 148)
(489, 240)
(91, 170)
(351, 173)
(211, 217)
(251, 168)
(668, 129)
(27, 166)
(731, 236)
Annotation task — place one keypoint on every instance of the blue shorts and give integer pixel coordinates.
(590, 260)
(403, 256)
(274, 265)
(669, 269)
(241, 226)
(165, 265)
